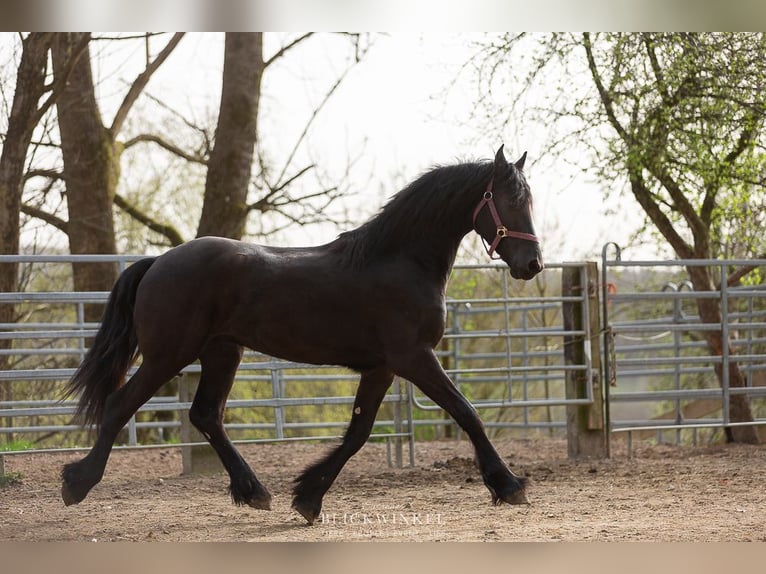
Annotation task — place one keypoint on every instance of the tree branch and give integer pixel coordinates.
(140, 83)
(167, 231)
(746, 139)
(652, 209)
(49, 173)
(735, 276)
(308, 124)
(659, 76)
(48, 218)
(605, 96)
(282, 51)
(682, 203)
(151, 138)
(60, 82)
(264, 203)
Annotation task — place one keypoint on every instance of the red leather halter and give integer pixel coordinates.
(502, 230)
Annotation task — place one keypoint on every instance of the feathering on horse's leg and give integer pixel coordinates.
(219, 360)
(317, 479)
(78, 478)
(425, 372)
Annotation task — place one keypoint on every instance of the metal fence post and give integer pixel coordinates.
(398, 423)
(586, 431)
(725, 359)
(277, 392)
(197, 459)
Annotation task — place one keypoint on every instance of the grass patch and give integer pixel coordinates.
(10, 479)
(16, 445)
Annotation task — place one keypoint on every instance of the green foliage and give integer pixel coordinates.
(10, 478)
(16, 445)
(677, 116)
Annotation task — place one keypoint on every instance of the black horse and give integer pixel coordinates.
(372, 300)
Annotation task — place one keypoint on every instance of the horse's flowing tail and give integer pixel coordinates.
(114, 347)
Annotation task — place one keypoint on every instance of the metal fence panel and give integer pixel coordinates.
(502, 348)
(656, 349)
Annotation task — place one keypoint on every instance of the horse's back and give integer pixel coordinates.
(299, 304)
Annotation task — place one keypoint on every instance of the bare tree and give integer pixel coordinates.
(91, 158)
(239, 178)
(228, 170)
(25, 114)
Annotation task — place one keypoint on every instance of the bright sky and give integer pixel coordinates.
(406, 106)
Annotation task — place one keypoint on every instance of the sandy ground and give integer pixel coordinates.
(663, 493)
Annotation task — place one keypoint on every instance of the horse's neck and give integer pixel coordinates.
(426, 232)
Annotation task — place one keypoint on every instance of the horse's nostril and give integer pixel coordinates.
(535, 266)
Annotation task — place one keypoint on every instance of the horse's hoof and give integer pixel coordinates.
(68, 496)
(517, 497)
(75, 484)
(249, 491)
(307, 511)
(506, 487)
(263, 503)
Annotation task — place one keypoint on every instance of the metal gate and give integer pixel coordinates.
(662, 374)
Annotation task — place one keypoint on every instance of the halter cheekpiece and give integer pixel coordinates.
(502, 231)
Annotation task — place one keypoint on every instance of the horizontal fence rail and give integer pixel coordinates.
(664, 375)
(503, 348)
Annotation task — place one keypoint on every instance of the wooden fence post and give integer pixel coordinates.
(200, 459)
(586, 431)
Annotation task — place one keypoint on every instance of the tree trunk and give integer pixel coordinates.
(710, 312)
(91, 171)
(30, 86)
(224, 210)
(709, 309)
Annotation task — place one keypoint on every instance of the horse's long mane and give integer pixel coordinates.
(432, 201)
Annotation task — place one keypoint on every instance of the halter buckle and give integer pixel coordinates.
(502, 231)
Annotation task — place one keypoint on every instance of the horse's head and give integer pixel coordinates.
(503, 219)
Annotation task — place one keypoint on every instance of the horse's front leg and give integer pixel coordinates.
(422, 368)
(316, 480)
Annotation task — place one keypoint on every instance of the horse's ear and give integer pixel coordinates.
(501, 165)
(520, 164)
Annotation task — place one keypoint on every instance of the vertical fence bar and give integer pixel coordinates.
(525, 363)
(677, 356)
(198, 459)
(411, 423)
(725, 346)
(453, 430)
(507, 324)
(397, 387)
(749, 344)
(276, 392)
(607, 343)
(132, 431)
(81, 323)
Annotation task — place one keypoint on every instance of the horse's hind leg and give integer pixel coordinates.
(220, 359)
(425, 372)
(316, 480)
(79, 477)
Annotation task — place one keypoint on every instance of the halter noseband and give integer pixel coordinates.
(502, 230)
